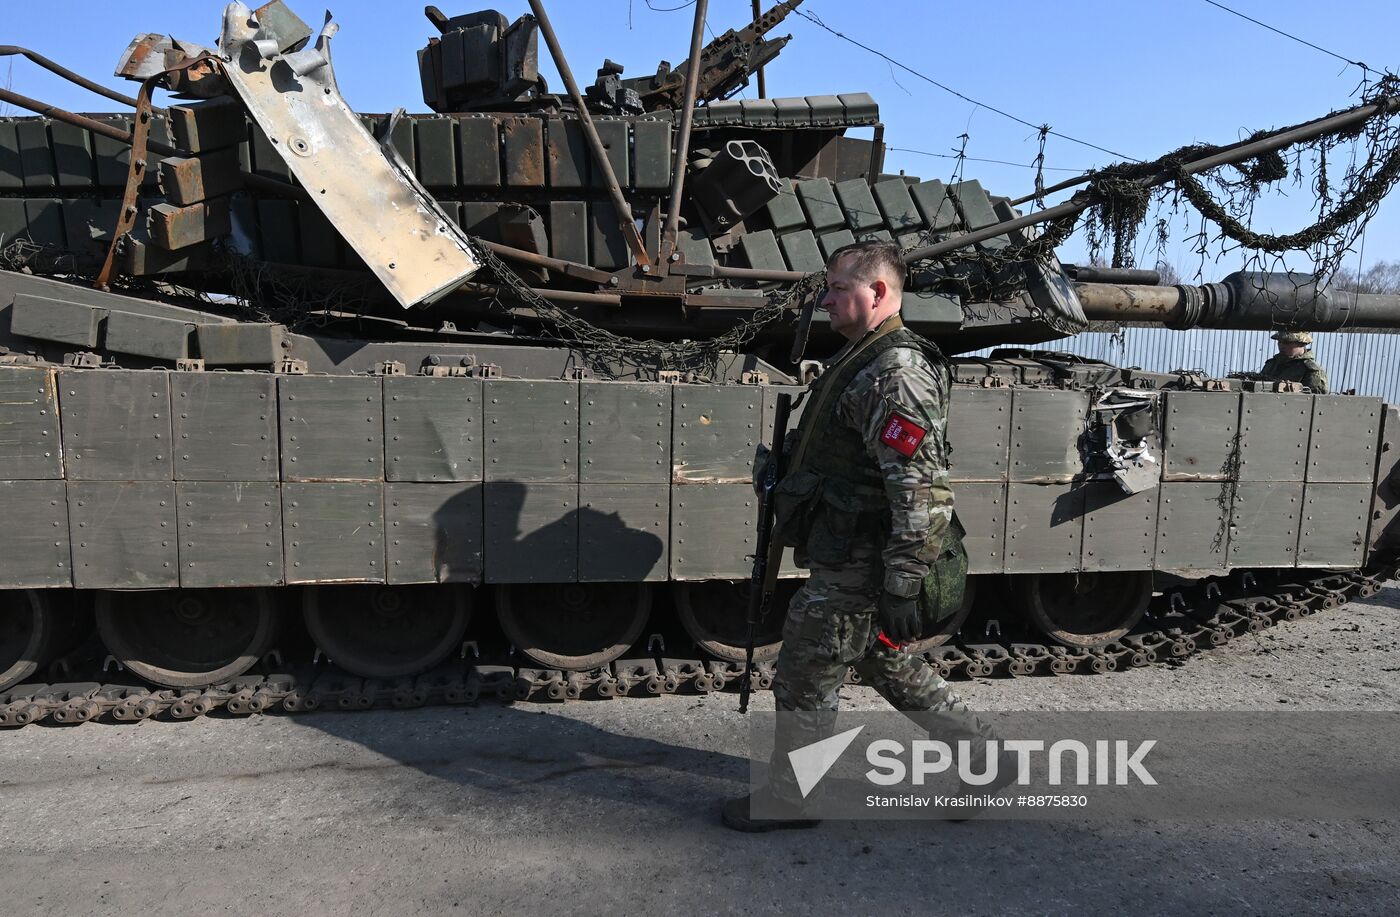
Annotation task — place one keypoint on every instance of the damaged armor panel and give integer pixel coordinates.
(434, 532)
(1201, 439)
(713, 434)
(1123, 442)
(30, 446)
(366, 192)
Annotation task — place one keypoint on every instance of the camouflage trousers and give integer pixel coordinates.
(831, 625)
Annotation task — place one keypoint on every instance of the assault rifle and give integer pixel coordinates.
(767, 553)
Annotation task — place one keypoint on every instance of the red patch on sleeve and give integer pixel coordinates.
(902, 435)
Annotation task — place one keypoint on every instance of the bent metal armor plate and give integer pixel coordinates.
(376, 203)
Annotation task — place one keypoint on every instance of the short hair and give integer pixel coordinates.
(868, 261)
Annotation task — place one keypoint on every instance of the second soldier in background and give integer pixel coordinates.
(1294, 362)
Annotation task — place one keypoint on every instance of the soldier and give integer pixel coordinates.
(1294, 362)
(866, 500)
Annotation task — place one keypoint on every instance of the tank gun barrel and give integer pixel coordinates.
(1245, 300)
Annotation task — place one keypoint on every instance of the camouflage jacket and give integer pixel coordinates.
(901, 383)
(882, 454)
(1302, 368)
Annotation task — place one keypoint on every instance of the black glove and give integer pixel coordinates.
(899, 617)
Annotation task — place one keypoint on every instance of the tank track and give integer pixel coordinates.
(1205, 615)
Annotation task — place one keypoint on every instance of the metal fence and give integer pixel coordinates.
(1368, 363)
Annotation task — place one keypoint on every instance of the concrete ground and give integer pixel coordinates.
(611, 807)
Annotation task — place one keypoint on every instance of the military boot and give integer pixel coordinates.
(737, 813)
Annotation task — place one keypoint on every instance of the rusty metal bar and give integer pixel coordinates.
(97, 127)
(135, 173)
(572, 296)
(740, 273)
(625, 219)
(70, 76)
(762, 83)
(568, 268)
(692, 81)
(1231, 154)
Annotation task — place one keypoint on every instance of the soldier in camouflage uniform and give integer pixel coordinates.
(866, 501)
(1294, 362)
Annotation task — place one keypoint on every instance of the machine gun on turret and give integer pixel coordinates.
(725, 64)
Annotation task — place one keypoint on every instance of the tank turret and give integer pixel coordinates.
(615, 206)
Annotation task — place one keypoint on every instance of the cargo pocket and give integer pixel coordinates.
(837, 638)
(832, 535)
(796, 503)
(857, 633)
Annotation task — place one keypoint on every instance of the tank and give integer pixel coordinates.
(307, 408)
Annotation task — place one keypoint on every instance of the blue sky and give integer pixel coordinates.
(1139, 78)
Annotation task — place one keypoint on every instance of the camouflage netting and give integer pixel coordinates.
(1225, 197)
(298, 299)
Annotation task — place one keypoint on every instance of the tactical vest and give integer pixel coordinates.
(829, 462)
(831, 475)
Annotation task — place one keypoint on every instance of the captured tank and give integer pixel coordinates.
(303, 407)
